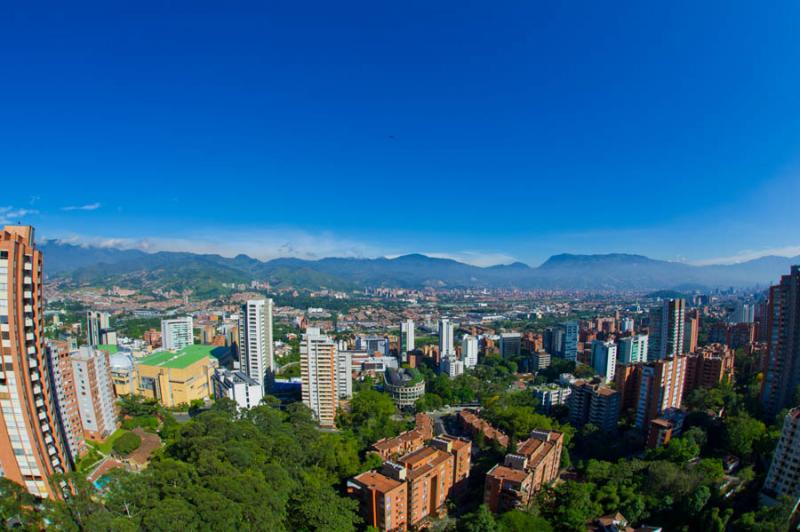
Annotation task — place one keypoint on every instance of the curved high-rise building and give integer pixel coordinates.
(32, 447)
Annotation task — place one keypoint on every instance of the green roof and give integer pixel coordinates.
(183, 358)
(108, 347)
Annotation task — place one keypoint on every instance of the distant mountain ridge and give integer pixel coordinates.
(206, 273)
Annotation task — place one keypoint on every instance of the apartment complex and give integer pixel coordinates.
(237, 386)
(98, 324)
(595, 404)
(256, 357)
(94, 391)
(550, 395)
(175, 378)
(632, 349)
(471, 423)
(469, 351)
(318, 374)
(570, 330)
(413, 489)
(667, 324)
(32, 446)
(660, 388)
(407, 341)
(783, 478)
(63, 385)
(405, 442)
(604, 359)
(708, 367)
(446, 333)
(535, 463)
(782, 364)
(177, 333)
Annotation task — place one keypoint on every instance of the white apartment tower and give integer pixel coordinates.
(446, 331)
(318, 373)
(469, 351)
(783, 478)
(255, 340)
(406, 339)
(604, 359)
(177, 333)
(97, 323)
(94, 390)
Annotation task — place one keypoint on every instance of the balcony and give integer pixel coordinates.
(29, 337)
(27, 280)
(27, 295)
(28, 308)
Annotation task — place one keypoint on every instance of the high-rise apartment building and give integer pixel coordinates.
(177, 333)
(344, 374)
(782, 364)
(469, 351)
(32, 446)
(318, 373)
(660, 388)
(595, 404)
(446, 332)
(406, 339)
(63, 390)
(783, 478)
(604, 359)
(97, 325)
(256, 357)
(94, 391)
(632, 349)
(708, 367)
(667, 324)
(691, 331)
(569, 345)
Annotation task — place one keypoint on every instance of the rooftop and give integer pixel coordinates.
(502, 472)
(184, 358)
(108, 347)
(373, 480)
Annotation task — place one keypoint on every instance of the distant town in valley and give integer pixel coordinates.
(278, 402)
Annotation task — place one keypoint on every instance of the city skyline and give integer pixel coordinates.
(494, 135)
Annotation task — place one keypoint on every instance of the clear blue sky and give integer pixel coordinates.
(488, 131)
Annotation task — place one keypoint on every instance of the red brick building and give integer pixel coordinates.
(536, 462)
(708, 367)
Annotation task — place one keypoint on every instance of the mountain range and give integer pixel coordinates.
(205, 273)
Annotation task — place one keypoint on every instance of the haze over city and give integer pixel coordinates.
(459, 129)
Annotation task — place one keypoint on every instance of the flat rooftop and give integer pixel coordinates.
(373, 480)
(502, 472)
(182, 359)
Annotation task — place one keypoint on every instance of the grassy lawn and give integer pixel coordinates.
(91, 459)
(105, 447)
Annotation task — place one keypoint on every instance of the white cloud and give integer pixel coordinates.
(749, 254)
(87, 207)
(271, 244)
(264, 245)
(9, 215)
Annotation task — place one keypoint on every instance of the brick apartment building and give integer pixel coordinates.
(471, 423)
(708, 367)
(413, 488)
(523, 473)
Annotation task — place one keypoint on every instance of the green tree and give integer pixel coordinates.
(127, 443)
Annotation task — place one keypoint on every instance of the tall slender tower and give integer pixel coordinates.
(406, 339)
(318, 373)
(255, 340)
(32, 447)
(667, 330)
(446, 338)
(782, 365)
(97, 323)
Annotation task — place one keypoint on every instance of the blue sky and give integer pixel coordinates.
(486, 131)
